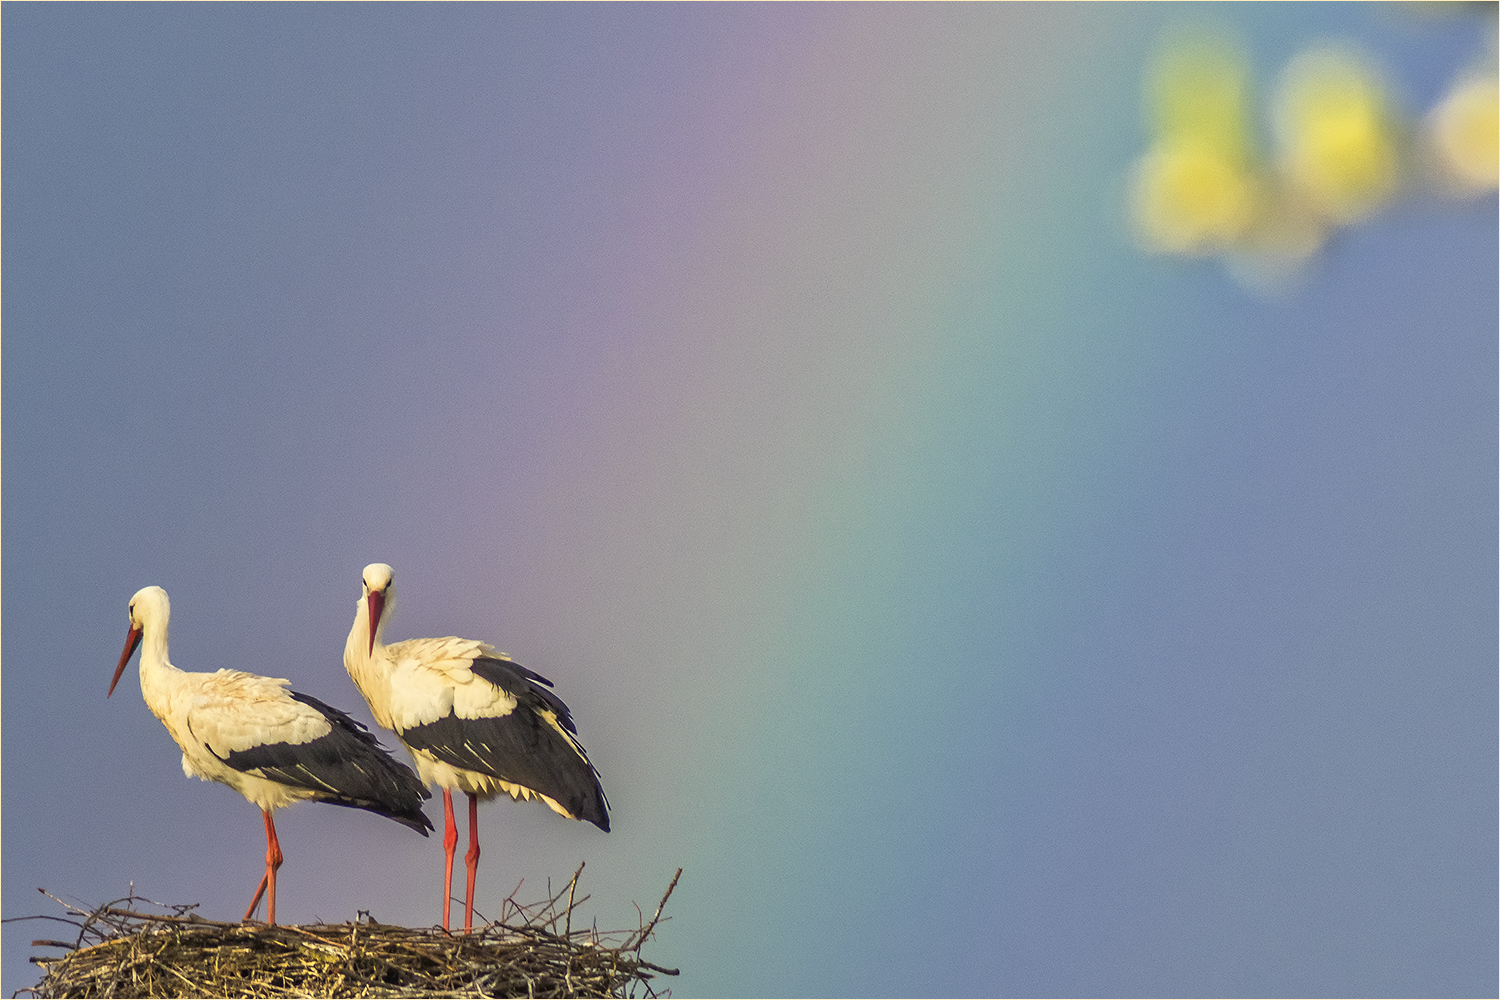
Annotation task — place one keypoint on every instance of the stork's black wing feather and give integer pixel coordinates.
(521, 748)
(529, 688)
(347, 767)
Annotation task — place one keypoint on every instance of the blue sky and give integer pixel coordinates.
(968, 602)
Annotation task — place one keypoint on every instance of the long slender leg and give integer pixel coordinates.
(472, 860)
(268, 880)
(273, 862)
(450, 843)
(259, 891)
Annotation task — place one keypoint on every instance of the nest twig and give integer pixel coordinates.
(532, 951)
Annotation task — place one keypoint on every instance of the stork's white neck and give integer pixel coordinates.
(360, 654)
(369, 666)
(357, 646)
(158, 676)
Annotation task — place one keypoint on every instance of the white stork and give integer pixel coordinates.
(272, 745)
(474, 720)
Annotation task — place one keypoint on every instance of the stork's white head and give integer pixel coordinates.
(149, 611)
(379, 598)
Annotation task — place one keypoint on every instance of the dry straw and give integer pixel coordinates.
(532, 951)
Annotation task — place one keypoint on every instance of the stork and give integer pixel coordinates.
(474, 720)
(273, 745)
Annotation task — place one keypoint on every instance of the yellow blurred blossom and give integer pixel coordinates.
(1273, 255)
(1465, 133)
(1337, 134)
(1193, 192)
(1190, 198)
(1197, 92)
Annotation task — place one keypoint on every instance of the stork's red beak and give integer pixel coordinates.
(377, 606)
(131, 641)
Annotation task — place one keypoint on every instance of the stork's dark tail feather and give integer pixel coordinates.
(347, 767)
(535, 746)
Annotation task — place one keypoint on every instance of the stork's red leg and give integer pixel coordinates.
(260, 890)
(450, 843)
(472, 860)
(268, 880)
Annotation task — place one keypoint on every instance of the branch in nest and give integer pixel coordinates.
(121, 950)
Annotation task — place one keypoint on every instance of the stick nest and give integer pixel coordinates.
(532, 951)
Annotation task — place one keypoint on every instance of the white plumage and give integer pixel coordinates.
(273, 745)
(474, 720)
